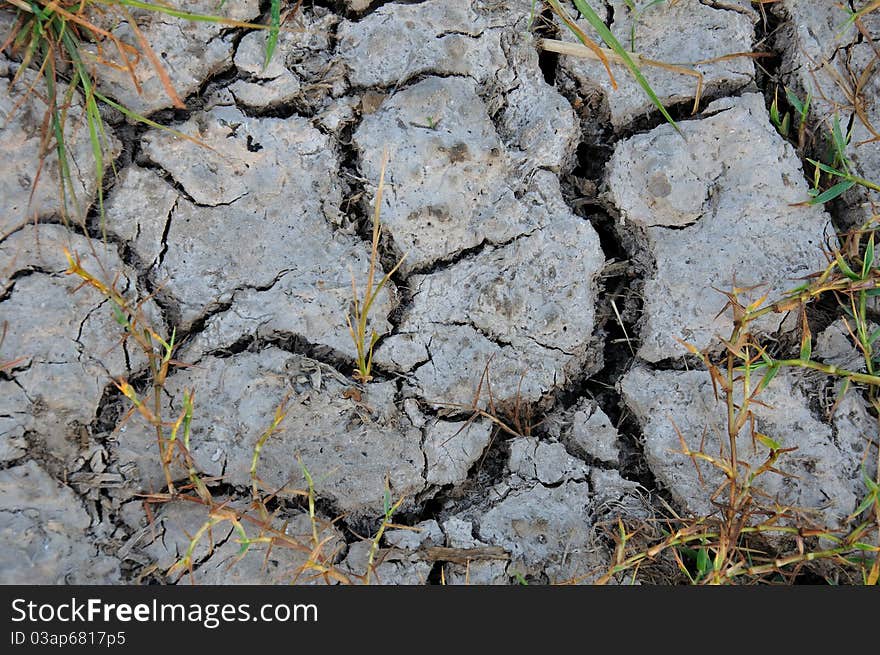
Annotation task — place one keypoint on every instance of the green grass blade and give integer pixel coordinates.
(800, 106)
(703, 563)
(177, 13)
(375, 292)
(612, 42)
(93, 118)
(869, 257)
(845, 267)
(865, 504)
(832, 193)
(840, 143)
(532, 14)
(146, 121)
(771, 373)
(856, 15)
(274, 28)
(57, 123)
(774, 112)
(806, 344)
(828, 169)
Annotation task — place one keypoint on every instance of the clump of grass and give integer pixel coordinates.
(725, 548)
(158, 351)
(319, 564)
(49, 35)
(358, 316)
(838, 172)
(514, 419)
(173, 436)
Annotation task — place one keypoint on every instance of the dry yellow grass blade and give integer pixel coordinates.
(589, 44)
(604, 55)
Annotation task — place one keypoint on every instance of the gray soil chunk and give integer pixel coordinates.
(449, 173)
(711, 34)
(545, 530)
(425, 533)
(271, 85)
(142, 230)
(358, 5)
(67, 343)
(825, 470)
(300, 70)
(44, 533)
(236, 167)
(548, 463)
(586, 431)
(451, 448)
(526, 309)
(462, 145)
(190, 52)
(261, 263)
(853, 427)
(685, 196)
(460, 536)
(348, 447)
(400, 41)
(22, 114)
(490, 43)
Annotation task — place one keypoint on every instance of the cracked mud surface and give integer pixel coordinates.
(555, 230)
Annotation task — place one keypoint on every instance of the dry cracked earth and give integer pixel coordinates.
(556, 231)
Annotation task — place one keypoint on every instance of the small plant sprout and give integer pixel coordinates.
(782, 122)
(389, 508)
(357, 319)
(802, 111)
(280, 414)
(319, 563)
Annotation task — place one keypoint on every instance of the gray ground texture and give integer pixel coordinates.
(556, 231)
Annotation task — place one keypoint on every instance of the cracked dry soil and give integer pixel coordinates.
(555, 229)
